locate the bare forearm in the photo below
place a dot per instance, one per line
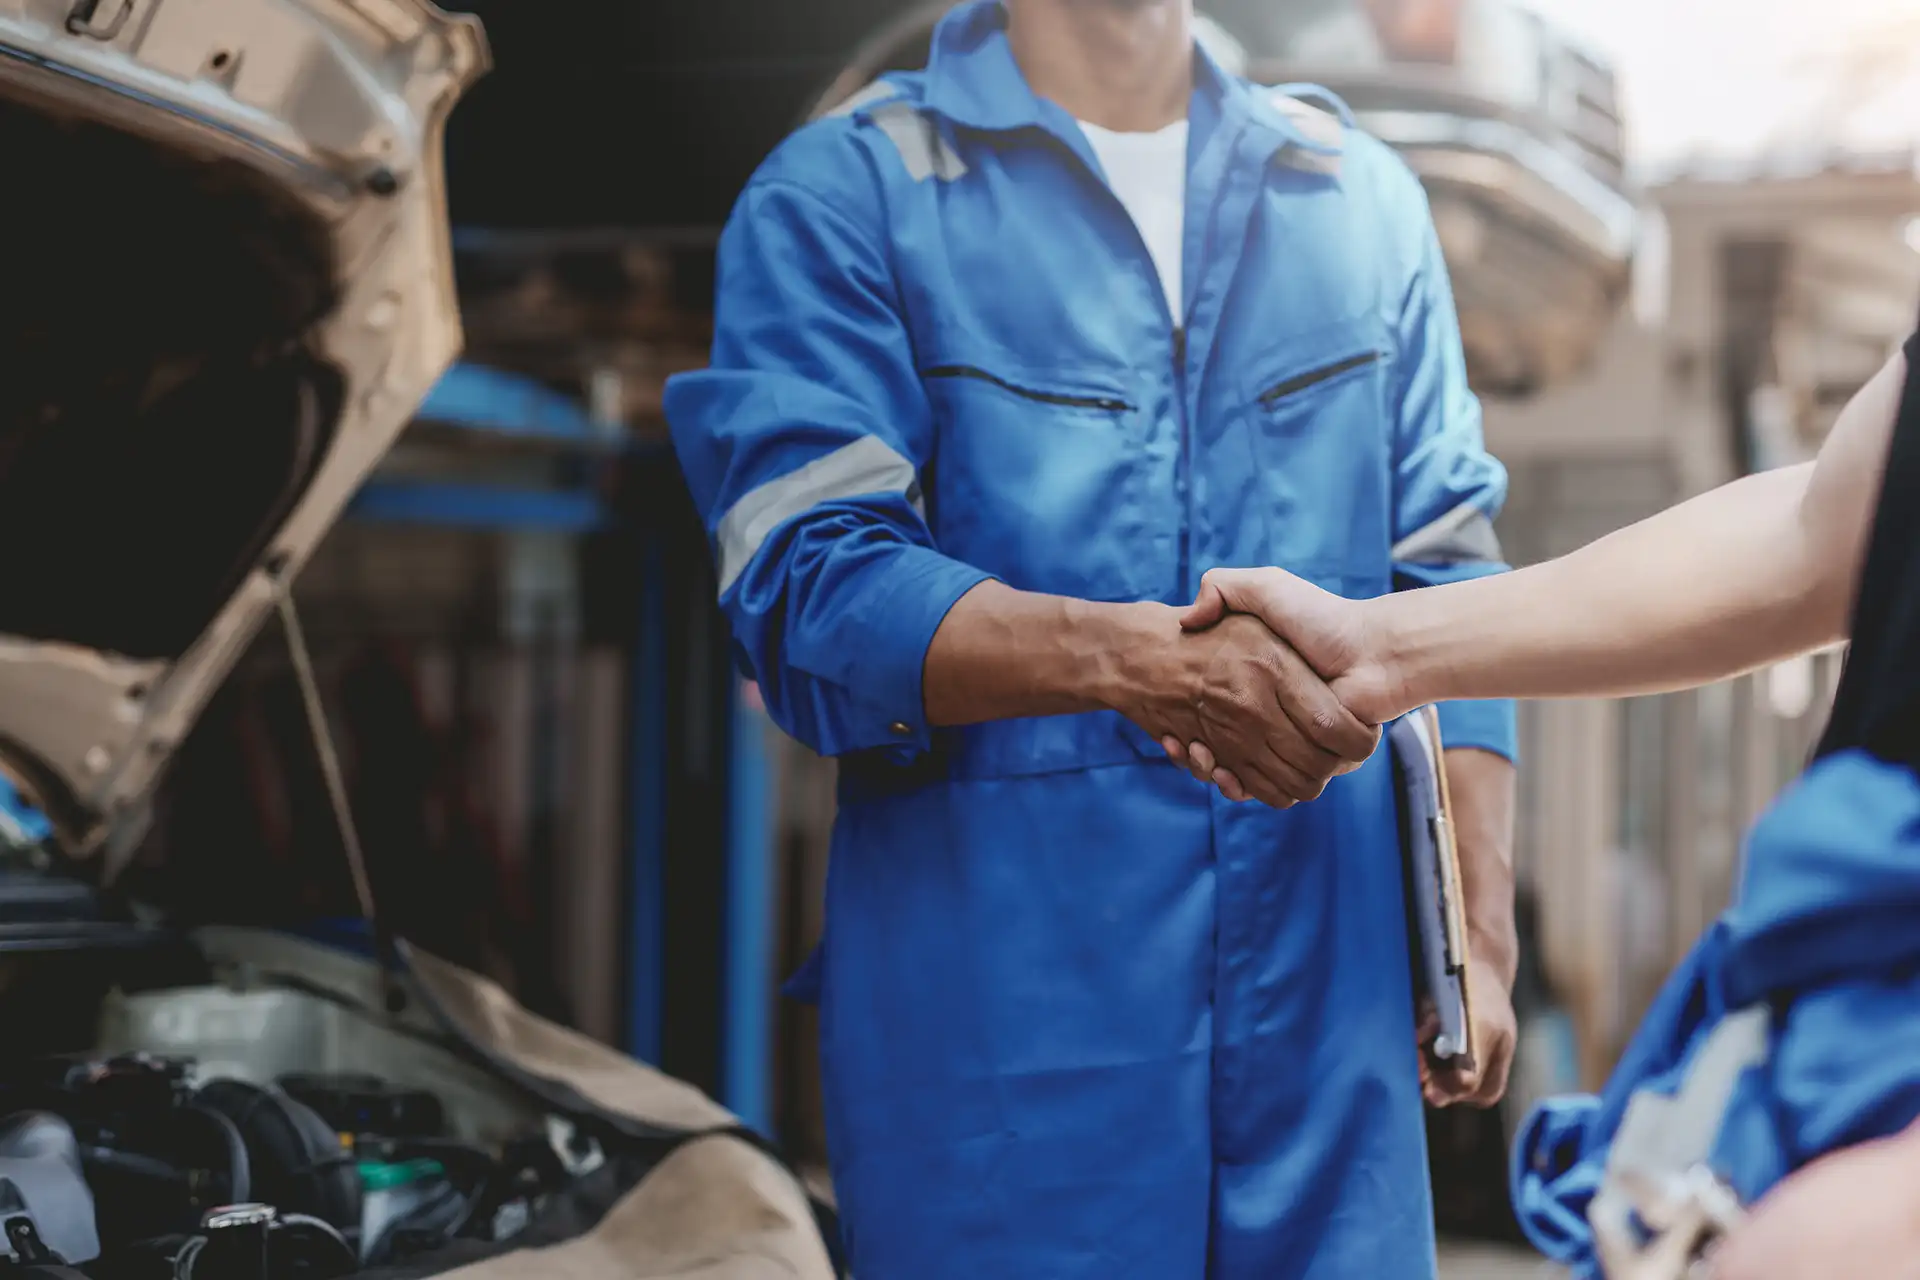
(1482, 787)
(1004, 654)
(1748, 574)
(1714, 587)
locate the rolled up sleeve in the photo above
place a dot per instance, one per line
(804, 444)
(1447, 488)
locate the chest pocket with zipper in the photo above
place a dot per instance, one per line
(1322, 436)
(1055, 482)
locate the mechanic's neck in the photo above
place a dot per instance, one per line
(1125, 65)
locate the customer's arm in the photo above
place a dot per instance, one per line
(1745, 575)
(804, 446)
(1853, 1214)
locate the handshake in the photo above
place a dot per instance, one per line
(1271, 688)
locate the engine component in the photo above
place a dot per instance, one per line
(299, 1163)
(19, 1237)
(410, 1207)
(155, 1159)
(394, 1194)
(130, 1082)
(238, 1242)
(123, 1164)
(366, 1104)
(40, 1169)
(235, 1243)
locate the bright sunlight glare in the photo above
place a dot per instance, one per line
(1731, 77)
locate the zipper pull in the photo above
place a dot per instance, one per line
(1180, 349)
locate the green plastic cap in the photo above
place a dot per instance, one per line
(376, 1176)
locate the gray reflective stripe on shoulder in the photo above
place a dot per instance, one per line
(1322, 128)
(923, 149)
(866, 466)
(1663, 1137)
(878, 91)
(1462, 536)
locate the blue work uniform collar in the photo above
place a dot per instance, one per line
(974, 83)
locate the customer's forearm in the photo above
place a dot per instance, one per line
(1004, 654)
(1716, 586)
(1748, 574)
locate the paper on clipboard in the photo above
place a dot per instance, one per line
(1437, 911)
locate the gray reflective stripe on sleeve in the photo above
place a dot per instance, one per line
(866, 466)
(1666, 1137)
(925, 152)
(1462, 536)
(1660, 1200)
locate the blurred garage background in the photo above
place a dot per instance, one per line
(1682, 237)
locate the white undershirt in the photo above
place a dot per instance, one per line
(1148, 171)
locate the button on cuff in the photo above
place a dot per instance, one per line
(897, 629)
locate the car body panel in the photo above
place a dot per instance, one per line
(339, 105)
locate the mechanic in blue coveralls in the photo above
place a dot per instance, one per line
(1007, 355)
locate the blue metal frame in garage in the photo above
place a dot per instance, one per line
(747, 1085)
(700, 779)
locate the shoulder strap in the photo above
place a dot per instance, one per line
(1878, 704)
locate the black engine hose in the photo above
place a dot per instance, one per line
(239, 1166)
(132, 1163)
(296, 1160)
(346, 1258)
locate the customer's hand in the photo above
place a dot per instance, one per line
(1854, 1215)
(1261, 709)
(1333, 634)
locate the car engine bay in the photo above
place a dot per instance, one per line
(265, 1125)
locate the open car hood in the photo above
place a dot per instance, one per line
(228, 286)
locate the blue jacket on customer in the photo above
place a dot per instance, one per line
(1820, 946)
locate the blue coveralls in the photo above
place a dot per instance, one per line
(1082, 1018)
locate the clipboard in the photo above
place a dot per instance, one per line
(1436, 908)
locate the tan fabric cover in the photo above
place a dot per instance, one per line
(716, 1209)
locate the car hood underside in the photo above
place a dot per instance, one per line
(230, 286)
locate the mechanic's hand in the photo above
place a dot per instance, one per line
(1265, 714)
(1495, 1034)
(1331, 633)
(1854, 1214)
